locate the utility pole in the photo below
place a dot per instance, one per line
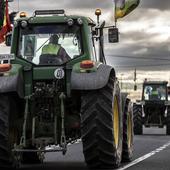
(135, 86)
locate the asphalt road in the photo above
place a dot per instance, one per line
(151, 152)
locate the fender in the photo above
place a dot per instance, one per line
(91, 80)
(12, 81)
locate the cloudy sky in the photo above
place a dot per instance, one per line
(144, 34)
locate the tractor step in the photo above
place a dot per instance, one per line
(153, 125)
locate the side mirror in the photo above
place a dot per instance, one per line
(8, 39)
(113, 35)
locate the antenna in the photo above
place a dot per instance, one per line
(18, 6)
(135, 86)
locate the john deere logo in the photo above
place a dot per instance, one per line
(59, 73)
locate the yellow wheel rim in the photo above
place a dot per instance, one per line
(116, 121)
(129, 132)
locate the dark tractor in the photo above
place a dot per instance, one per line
(154, 109)
(45, 100)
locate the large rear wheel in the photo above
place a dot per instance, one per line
(101, 126)
(4, 132)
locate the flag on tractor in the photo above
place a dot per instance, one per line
(5, 25)
(124, 7)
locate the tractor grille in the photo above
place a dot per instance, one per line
(154, 114)
(48, 88)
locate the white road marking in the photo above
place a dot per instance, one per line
(136, 161)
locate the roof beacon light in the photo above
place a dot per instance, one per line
(87, 64)
(98, 12)
(22, 14)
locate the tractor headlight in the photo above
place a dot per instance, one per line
(24, 24)
(79, 21)
(70, 22)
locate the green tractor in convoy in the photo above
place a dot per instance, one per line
(154, 109)
(46, 101)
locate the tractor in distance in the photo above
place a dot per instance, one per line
(46, 100)
(154, 108)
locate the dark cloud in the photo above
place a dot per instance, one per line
(157, 56)
(69, 4)
(141, 53)
(30, 6)
(158, 4)
(90, 3)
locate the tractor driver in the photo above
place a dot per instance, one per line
(53, 53)
(154, 94)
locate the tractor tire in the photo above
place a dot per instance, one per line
(5, 155)
(127, 132)
(168, 121)
(101, 126)
(137, 118)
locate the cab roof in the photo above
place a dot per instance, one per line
(54, 16)
(155, 82)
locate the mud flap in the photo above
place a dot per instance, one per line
(12, 83)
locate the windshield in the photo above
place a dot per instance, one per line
(54, 44)
(155, 92)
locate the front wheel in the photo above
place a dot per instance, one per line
(101, 126)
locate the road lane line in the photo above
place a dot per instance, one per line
(142, 158)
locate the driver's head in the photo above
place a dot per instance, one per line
(54, 39)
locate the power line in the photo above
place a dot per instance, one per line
(139, 58)
(150, 65)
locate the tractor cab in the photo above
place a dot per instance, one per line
(43, 37)
(155, 91)
(154, 109)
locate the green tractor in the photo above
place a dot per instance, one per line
(154, 109)
(45, 100)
